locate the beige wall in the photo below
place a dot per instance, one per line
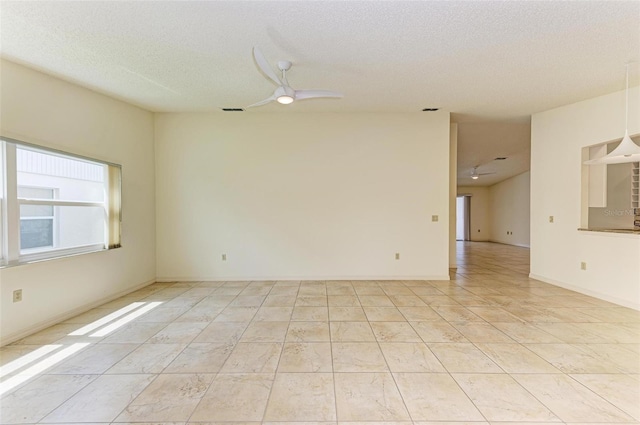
(302, 196)
(558, 248)
(479, 211)
(41, 109)
(509, 208)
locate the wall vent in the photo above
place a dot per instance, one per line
(233, 109)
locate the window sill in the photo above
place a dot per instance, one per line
(60, 254)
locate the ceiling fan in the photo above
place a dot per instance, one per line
(284, 94)
(475, 174)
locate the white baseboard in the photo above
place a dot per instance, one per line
(69, 314)
(595, 294)
(270, 278)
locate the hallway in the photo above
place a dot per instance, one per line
(489, 347)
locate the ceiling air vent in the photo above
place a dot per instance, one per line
(430, 109)
(233, 109)
(501, 158)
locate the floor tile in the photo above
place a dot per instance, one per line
(368, 397)
(621, 391)
(481, 332)
(358, 357)
(165, 314)
(456, 314)
(343, 301)
(570, 400)
(625, 360)
(410, 357)
(200, 357)
(310, 314)
(419, 314)
(347, 314)
(311, 301)
(102, 400)
(247, 301)
(435, 397)
(306, 357)
(236, 397)
(351, 332)
(407, 300)
(463, 358)
(383, 314)
(198, 314)
(280, 300)
(500, 398)
(514, 358)
(257, 357)
(147, 358)
(489, 346)
(438, 332)
(394, 332)
(273, 314)
(302, 397)
(134, 333)
(265, 332)
(570, 359)
(375, 301)
(227, 332)
(169, 398)
(526, 333)
(94, 359)
(308, 332)
(30, 403)
(236, 314)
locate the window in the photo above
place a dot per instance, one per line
(36, 221)
(55, 204)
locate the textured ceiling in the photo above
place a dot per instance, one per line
(489, 63)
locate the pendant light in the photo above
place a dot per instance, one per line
(627, 150)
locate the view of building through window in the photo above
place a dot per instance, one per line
(63, 203)
(42, 177)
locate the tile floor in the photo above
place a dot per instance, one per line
(489, 347)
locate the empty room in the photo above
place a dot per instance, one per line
(320, 212)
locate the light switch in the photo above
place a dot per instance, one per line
(550, 219)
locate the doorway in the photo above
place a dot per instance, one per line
(463, 218)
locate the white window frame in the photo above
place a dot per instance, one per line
(10, 203)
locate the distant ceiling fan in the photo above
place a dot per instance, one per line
(284, 94)
(475, 174)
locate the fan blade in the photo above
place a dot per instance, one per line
(263, 102)
(484, 174)
(309, 94)
(264, 66)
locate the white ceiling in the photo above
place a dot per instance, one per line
(492, 64)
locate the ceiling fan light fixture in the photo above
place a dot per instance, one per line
(285, 99)
(285, 95)
(474, 177)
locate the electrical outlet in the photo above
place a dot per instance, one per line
(434, 218)
(550, 219)
(17, 295)
(583, 266)
(397, 255)
(224, 257)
